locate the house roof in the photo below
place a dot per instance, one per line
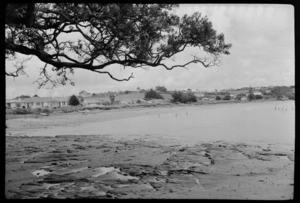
(38, 99)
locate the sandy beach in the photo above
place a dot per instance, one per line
(40, 164)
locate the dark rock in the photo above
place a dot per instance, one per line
(55, 178)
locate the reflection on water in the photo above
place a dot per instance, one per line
(263, 122)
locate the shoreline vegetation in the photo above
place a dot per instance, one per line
(82, 109)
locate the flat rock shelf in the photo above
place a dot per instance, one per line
(95, 166)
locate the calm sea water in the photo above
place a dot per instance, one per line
(243, 122)
(248, 122)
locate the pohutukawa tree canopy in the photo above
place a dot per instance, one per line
(93, 36)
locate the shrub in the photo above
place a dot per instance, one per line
(258, 97)
(227, 97)
(152, 94)
(161, 88)
(21, 111)
(112, 98)
(105, 103)
(138, 101)
(218, 98)
(251, 97)
(291, 95)
(47, 111)
(67, 110)
(189, 97)
(73, 101)
(40, 110)
(177, 95)
(239, 96)
(279, 97)
(183, 97)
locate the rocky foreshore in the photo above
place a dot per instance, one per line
(85, 166)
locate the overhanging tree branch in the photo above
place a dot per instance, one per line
(94, 36)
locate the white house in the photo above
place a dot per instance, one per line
(126, 102)
(37, 102)
(268, 91)
(199, 94)
(257, 93)
(232, 96)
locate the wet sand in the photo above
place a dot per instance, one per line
(139, 166)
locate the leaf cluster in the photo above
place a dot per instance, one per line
(93, 36)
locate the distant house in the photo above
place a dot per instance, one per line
(37, 102)
(257, 88)
(199, 94)
(156, 101)
(95, 101)
(84, 94)
(257, 93)
(268, 91)
(127, 102)
(232, 96)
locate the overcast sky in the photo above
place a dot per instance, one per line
(262, 54)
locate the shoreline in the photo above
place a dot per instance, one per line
(29, 124)
(140, 106)
(151, 166)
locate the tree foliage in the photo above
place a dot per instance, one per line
(112, 98)
(258, 97)
(281, 91)
(251, 97)
(227, 97)
(152, 94)
(73, 101)
(218, 98)
(183, 97)
(161, 88)
(23, 97)
(93, 36)
(240, 96)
